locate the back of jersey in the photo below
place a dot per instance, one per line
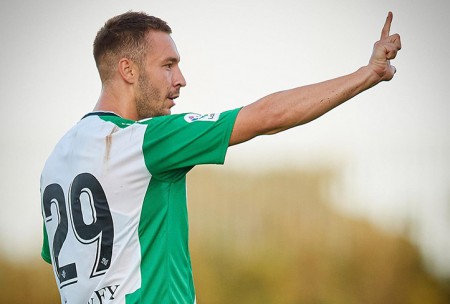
(114, 205)
(94, 169)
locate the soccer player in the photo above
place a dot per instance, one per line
(113, 190)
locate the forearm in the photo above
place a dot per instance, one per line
(287, 109)
(290, 108)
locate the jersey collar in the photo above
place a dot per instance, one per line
(100, 113)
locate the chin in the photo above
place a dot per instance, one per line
(162, 113)
(168, 111)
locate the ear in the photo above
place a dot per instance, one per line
(128, 70)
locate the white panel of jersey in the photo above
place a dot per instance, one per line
(91, 149)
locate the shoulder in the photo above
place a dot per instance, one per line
(191, 117)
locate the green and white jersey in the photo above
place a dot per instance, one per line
(114, 205)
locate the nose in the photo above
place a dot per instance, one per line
(179, 80)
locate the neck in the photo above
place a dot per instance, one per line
(119, 101)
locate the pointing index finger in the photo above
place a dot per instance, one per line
(387, 26)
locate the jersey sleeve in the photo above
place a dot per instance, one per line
(45, 253)
(184, 140)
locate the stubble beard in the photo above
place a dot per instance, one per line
(149, 101)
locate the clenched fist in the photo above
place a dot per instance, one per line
(384, 51)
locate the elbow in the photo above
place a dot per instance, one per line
(282, 112)
(280, 120)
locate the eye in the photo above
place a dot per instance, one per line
(169, 65)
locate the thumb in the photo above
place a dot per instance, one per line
(393, 69)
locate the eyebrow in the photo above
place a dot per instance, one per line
(172, 59)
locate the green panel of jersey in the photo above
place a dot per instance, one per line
(114, 205)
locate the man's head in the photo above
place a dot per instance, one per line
(124, 36)
(138, 61)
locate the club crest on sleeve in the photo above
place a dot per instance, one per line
(192, 117)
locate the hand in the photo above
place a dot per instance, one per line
(384, 51)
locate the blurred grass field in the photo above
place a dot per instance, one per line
(273, 237)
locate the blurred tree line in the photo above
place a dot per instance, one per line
(273, 238)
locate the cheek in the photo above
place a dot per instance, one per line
(169, 77)
(161, 82)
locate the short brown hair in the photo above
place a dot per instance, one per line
(124, 36)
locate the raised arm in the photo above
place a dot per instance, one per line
(287, 109)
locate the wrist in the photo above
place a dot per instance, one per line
(370, 76)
